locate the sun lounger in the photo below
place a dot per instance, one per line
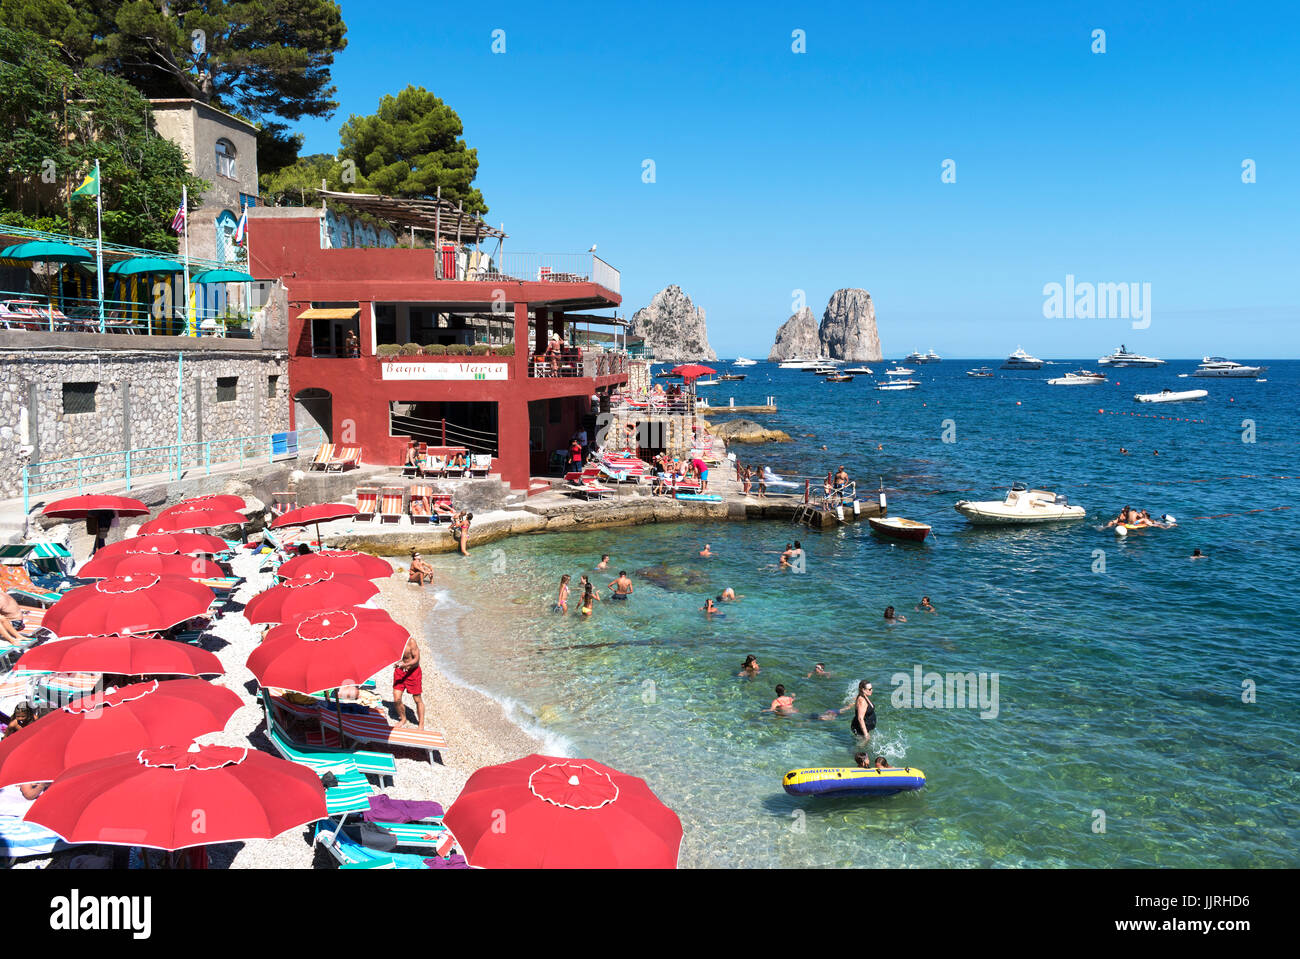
(322, 760)
(367, 503)
(373, 726)
(434, 465)
(421, 512)
(324, 456)
(390, 504)
(351, 854)
(20, 838)
(351, 795)
(15, 687)
(282, 502)
(346, 457)
(480, 464)
(441, 508)
(582, 485)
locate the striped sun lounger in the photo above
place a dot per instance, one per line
(347, 457)
(420, 510)
(373, 727)
(390, 506)
(367, 502)
(324, 456)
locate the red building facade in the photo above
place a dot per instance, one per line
(345, 304)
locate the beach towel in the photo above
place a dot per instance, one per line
(454, 861)
(385, 809)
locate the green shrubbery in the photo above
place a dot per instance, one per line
(387, 349)
(435, 349)
(458, 349)
(410, 349)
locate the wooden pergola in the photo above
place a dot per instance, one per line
(432, 213)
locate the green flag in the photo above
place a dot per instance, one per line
(89, 186)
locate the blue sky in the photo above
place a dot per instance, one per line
(778, 171)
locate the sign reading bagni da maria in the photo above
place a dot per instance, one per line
(446, 371)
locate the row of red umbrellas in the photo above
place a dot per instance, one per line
(560, 812)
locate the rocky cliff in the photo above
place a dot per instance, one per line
(848, 327)
(797, 337)
(673, 327)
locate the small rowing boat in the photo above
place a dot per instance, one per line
(899, 528)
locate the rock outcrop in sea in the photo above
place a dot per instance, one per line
(797, 337)
(673, 327)
(747, 431)
(848, 327)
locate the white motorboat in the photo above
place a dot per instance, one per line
(859, 370)
(1021, 506)
(1078, 378)
(897, 384)
(706, 382)
(919, 357)
(899, 371)
(1123, 358)
(980, 371)
(801, 363)
(1020, 360)
(1216, 367)
(742, 361)
(1171, 396)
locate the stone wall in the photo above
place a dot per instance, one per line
(135, 402)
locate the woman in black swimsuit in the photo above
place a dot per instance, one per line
(864, 712)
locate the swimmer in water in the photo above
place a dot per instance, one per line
(1197, 554)
(604, 562)
(784, 702)
(925, 605)
(708, 606)
(562, 601)
(862, 760)
(786, 554)
(893, 617)
(588, 599)
(819, 669)
(622, 586)
(750, 667)
(706, 551)
(864, 712)
(882, 763)
(728, 595)
(584, 584)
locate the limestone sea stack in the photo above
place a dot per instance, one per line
(747, 431)
(848, 327)
(797, 337)
(673, 328)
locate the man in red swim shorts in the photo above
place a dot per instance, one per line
(408, 679)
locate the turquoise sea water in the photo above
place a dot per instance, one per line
(1121, 665)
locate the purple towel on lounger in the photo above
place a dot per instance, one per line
(454, 861)
(385, 809)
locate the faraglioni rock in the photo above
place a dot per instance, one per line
(797, 337)
(848, 328)
(673, 327)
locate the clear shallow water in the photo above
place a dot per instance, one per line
(1119, 691)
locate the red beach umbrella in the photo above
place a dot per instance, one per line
(692, 371)
(96, 726)
(160, 564)
(188, 519)
(562, 814)
(175, 797)
(304, 595)
(165, 543)
(79, 507)
(315, 514)
(122, 656)
(347, 561)
(121, 605)
(327, 649)
(216, 501)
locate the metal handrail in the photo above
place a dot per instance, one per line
(128, 466)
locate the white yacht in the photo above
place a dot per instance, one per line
(1122, 357)
(742, 361)
(1020, 360)
(982, 372)
(899, 371)
(1020, 507)
(801, 363)
(1077, 378)
(919, 357)
(1217, 367)
(859, 370)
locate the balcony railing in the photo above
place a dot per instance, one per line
(35, 313)
(590, 365)
(542, 268)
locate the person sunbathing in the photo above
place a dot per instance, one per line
(413, 459)
(12, 619)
